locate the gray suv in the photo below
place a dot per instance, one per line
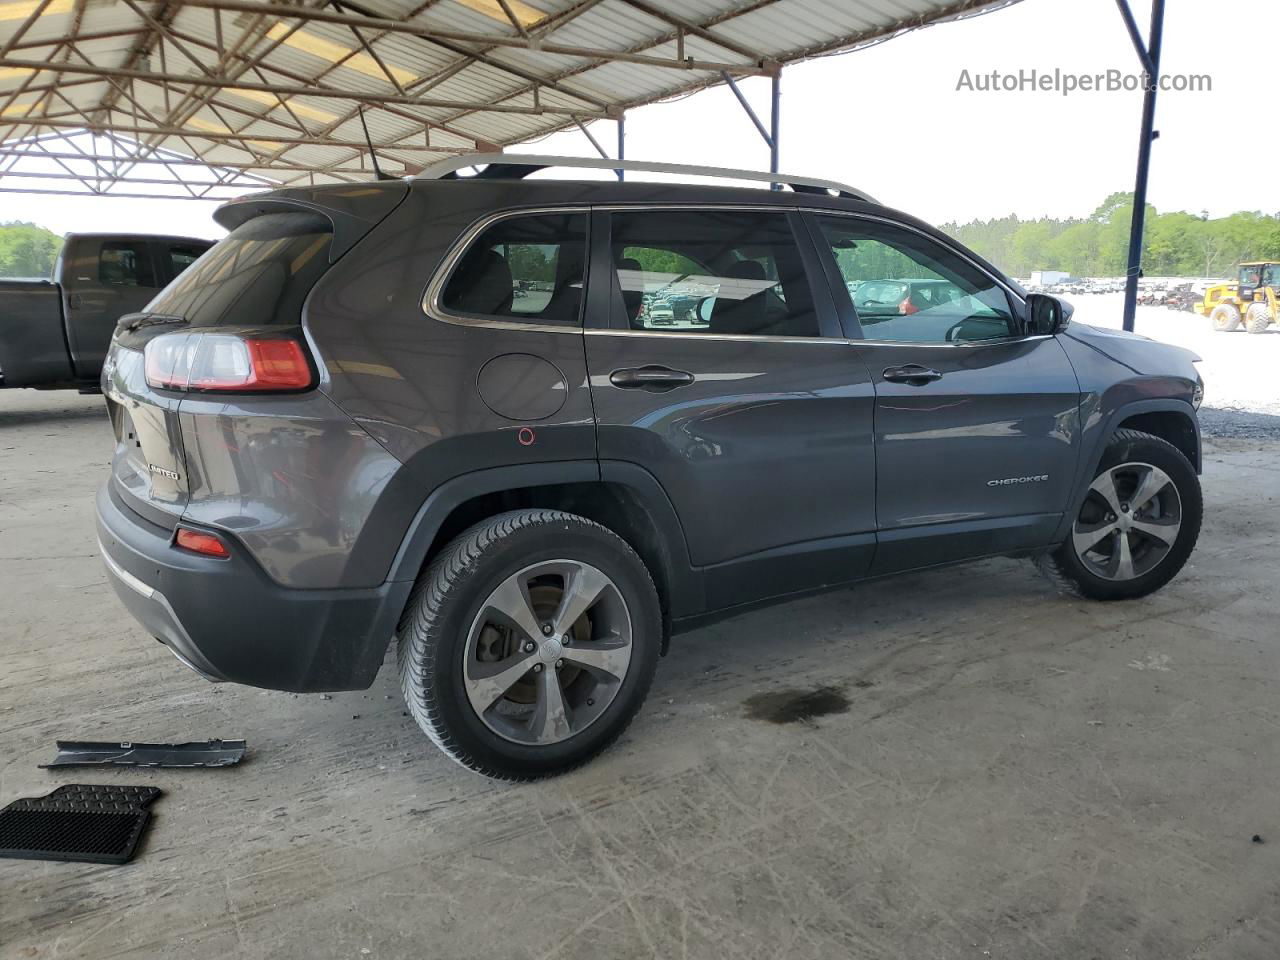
(437, 410)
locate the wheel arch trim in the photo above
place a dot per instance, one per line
(685, 584)
(1097, 446)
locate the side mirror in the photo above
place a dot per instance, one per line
(705, 306)
(1046, 315)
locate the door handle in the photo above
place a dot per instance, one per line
(652, 378)
(912, 374)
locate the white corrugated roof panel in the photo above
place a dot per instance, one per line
(463, 76)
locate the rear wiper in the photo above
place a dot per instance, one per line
(135, 321)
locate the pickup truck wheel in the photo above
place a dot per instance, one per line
(1258, 318)
(1225, 317)
(529, 644)
(1137, 525)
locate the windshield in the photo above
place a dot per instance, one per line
(258, 274)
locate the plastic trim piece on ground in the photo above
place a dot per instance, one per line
(206, 753)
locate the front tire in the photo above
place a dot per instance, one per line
(1225, 317)
(1258, 318)
(1137, 525)
(529, 644)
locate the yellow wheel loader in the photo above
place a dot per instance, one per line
(1252, 300)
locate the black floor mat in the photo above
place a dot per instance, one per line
(88, 824)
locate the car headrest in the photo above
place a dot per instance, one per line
(487, 286)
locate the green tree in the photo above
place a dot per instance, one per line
(1076, 248)
(27, 250)
(1174, 244)
(532, 261)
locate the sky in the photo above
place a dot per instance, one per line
(892, 121)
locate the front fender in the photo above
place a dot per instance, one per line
(1100, 416)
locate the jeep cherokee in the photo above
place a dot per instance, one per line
(435, 410)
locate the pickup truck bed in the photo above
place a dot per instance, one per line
(55, 333)
(33, 340)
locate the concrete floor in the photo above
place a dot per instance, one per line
(1016, 776)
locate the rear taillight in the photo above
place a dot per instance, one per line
(226, 362)
(197, 541)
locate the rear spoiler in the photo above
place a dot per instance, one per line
(353, 209)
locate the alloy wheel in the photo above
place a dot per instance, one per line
(548, 652)
(1129, 521)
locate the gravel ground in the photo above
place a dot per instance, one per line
(1233, 424)
(1005, 773)
(1239, 369)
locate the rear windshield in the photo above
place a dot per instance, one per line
(258, 274)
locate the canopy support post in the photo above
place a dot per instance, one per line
(1149, 54)
(770, 136)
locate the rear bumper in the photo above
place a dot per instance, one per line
(227, 620)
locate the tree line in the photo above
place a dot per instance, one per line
(27, 250)
(1174, 244)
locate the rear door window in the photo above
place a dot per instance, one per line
(732, 272)
(523, 268)
(259, 274)
(125, 263)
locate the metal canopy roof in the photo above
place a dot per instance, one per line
(141, 97)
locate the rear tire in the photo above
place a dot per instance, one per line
(1258, 318)
(1225, 317)
(529, 644)
(1136, 526)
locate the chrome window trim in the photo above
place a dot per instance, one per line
(431, 305)
(947, 243)
(749, 337)
(968, 344)
(780, 209)
(431, 298)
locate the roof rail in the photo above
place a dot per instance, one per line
(516, 166)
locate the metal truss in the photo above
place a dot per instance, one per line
(109, 165)
(231, 95)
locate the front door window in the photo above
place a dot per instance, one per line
(906, 288)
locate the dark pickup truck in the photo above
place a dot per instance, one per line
(55, 333)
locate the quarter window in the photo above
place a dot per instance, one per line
(716, 271)
(523, 268)
(910, 289)
(125, 264)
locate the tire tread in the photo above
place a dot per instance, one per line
(1051, 564)
(417, 650)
